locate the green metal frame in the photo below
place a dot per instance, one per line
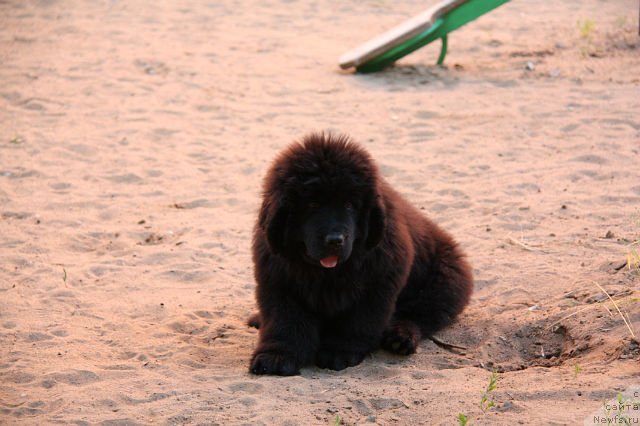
(451, 21)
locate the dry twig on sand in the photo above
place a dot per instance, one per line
(524, 246)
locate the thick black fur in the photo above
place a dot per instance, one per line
(398, 276)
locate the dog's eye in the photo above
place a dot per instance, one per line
(313, 205)
(348, 205)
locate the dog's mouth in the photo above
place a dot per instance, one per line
(329, 262)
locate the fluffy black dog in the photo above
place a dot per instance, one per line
(344, 264)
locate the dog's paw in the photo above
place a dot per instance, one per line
(274, 363)
(338, 359)
(401, 339)
(254, 320)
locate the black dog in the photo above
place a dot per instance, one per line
(344, 264)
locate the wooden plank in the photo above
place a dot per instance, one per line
(397, 35)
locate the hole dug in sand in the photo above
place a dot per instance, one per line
(533, 345)
(555, 340)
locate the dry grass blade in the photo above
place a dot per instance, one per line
(633, 258)
(569, 316)
(627, 323)
(620, 302)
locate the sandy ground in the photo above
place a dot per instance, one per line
(133, 139)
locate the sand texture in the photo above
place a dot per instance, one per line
(133, 140)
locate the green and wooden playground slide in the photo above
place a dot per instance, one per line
(432, 24)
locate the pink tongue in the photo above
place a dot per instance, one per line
(329, 262)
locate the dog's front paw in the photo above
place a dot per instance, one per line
(401, 338)
(335, 358)
(274, 363)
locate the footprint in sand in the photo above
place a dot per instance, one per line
(187, 327)
(70, 377)
(590, 158)
(37, 337)
(17, 377)
(246, 387)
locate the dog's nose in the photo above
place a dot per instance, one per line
(334, 240)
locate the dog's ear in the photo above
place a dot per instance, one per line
(273, 219)
(375, 223)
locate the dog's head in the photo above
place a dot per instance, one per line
(321, 200)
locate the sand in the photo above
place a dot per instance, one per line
(133, 139)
